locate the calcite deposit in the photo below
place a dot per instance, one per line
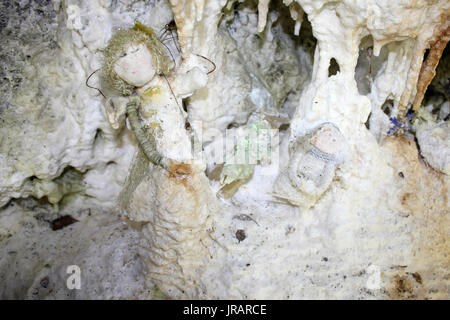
(224, 149)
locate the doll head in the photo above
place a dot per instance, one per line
(132, 58)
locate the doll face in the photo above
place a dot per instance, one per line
(328, 139)
(136, 65)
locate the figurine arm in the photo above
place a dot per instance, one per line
(146, 141)
(185, 84)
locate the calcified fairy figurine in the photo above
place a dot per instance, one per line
(135, 67)
(314, 159)
(165, 189)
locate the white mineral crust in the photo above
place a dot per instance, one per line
(372, 222)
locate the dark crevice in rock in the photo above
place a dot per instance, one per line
(333, 69)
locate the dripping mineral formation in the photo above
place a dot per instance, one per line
(283, 149)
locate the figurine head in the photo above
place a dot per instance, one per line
(132, 58)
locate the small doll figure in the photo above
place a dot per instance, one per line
(165, 190)
(136, 67)
(314, 159)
